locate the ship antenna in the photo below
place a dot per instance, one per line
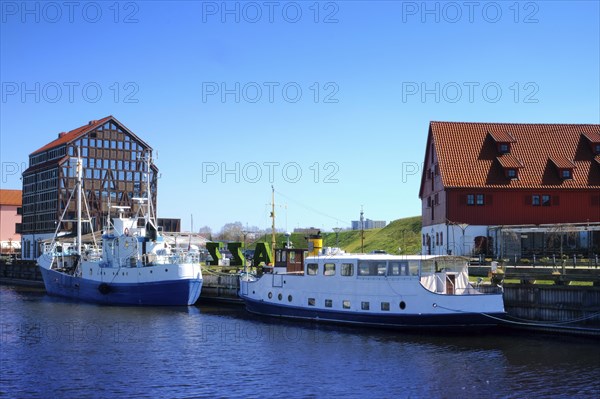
(273, 222)
(79, 176)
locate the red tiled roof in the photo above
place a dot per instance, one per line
(593, 137)
(11, 197)
(562, 162)
(73, 134)
(502, 136)
(597, 158)
(467, 154)
(509, 161)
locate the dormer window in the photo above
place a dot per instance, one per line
(564, 166)
(503, 148)
(597, 149)
(511, 173)
(566, 174)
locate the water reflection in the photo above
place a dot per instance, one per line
(79, 349)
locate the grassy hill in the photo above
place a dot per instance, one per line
(402, 233)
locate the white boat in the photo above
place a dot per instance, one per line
(375, 290)
(135, 266)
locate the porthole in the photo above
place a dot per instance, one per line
(402, 305)
(279, 296)
(270, 295)
(166, 270)
(289, 298)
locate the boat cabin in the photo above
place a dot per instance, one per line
(289, 260)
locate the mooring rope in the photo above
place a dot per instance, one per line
(529, 322)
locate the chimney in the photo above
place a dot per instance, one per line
(92, 122)
(61, 134)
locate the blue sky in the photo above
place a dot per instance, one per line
(328, 101)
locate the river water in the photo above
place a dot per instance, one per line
(55, 348)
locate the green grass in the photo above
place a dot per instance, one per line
(402, 233)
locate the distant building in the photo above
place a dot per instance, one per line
(10, 205)
(114, 172)
(369, 224)
(511, 190)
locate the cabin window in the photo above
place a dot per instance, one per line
(364, 305)
(292, 257)
(311, 301)
(545, 200)
(329, 269)
(347, 269)
(385, 306)
(283, 256)
(346, 304)
(398, 269)
(312, 269)
(470, 199)
(413, 268)
(372, 268)
(328, 303)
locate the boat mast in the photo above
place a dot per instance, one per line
(273, 222)
(78, 182)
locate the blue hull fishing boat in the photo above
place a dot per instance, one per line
(135, 265)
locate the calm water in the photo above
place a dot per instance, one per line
(55, 348)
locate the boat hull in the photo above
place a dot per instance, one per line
(179, 292)
(458, 320)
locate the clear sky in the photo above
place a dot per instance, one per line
(328, 101)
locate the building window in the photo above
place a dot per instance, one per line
(437, 238)
(436, 199)
(535, 200)
(545, 200)
(566, 174)
(480, 200)
(470, 199)
(503, 148)
(441, 238)
(428, 202)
